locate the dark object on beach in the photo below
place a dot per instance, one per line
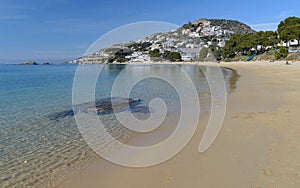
(105, 106)
(287, 63)
(30, 63)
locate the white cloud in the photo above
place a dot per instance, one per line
(265, 26)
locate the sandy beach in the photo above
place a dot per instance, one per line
(258, 146)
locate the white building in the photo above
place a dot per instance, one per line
(221, 44)
(194, 35)
(294, 42)
(186, 58)
(290, 43)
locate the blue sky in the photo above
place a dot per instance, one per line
(58, 30)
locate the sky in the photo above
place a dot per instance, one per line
(61, 30)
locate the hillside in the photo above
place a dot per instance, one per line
(233, 25)
(185, 43)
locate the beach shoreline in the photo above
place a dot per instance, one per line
(208, 63)
(258, 145)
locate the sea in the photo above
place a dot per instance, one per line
(40, 142)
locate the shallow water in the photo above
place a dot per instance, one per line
(37, 151)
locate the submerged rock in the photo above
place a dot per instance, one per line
(62, 114)
(104, 106)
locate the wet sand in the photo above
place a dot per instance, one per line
(258, 146)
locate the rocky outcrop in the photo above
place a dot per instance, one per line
(30, 63)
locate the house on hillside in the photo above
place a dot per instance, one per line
(293, 45)
(221, 44)
(186, 58)
(138, 57)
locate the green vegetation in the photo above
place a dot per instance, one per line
(282, 53)
(246, 44)
(217, 52)
(191, 26)
(167, 55)
(289, 29)
(122, 59)
(203, 53)
(155, 53)
(111, 50)
(120, 55)
(141, 47)
(172, 56)
(209, 54)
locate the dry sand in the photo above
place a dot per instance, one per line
(258, 146)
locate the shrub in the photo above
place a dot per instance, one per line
(282, 53)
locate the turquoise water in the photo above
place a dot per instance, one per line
(37, 151)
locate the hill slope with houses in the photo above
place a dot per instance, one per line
(185, 43)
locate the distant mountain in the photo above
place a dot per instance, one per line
(187, 40)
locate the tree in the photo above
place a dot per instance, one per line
(217, 52)
(174, 56)
(243, 43)
(289, 29)
(155, 53)
(120, 56)
(166, 54)
(121, 59)
(271, 38)
(140, 46)
(282, 53)
(229, 48)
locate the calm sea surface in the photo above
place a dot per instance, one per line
(37, 150)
